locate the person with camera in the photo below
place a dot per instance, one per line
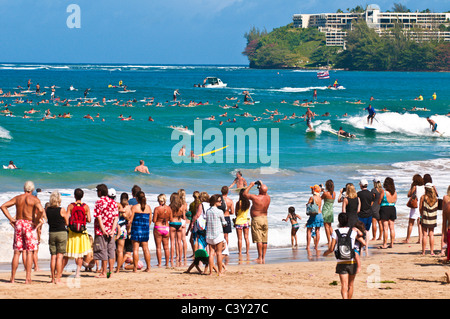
(258, 213)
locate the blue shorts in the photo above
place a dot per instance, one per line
(367, 222)
(434, 127)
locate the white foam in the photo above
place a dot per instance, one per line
(407, 123)
(4, 133)
(297, 90)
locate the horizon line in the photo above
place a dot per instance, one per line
(127, 63)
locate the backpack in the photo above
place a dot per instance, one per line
(77, 219)
(223, 206)
(344, 249)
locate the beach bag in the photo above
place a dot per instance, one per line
(201, 221)
(412, 202)
(344, 249)
(77, 219)
(312, 209)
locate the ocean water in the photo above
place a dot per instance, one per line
(66, 153)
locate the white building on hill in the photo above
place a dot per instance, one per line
(335, 25)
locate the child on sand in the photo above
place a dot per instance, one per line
(200, 255)
(292, 217)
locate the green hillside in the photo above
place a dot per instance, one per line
(290, 47)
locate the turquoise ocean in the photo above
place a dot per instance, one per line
(66, 153)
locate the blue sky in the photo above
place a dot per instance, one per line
(152, 31)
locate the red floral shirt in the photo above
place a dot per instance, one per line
(107, 210)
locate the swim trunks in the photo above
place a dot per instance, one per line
(227, 228)
(25, 236)
(260, 229)
(434, 127)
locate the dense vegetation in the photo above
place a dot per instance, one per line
(366, 50)
(287, 47)
(290, 47)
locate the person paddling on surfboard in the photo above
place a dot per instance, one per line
(309, 116)
(371, 115)
(175, 93)
(344, 133)
(11, 165)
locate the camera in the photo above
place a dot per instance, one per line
(258, 184)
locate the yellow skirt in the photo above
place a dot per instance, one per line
(78, 245)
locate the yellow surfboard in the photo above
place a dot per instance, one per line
(211, 152)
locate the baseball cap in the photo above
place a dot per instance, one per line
(316, 188)
(376, 180)
(429, 185)
(112, 192)
(363, 182)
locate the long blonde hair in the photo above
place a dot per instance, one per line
(430, 196)
(351, 191)
(182, 194)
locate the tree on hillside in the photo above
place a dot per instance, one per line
(398, 7)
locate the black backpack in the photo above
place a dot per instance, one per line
(223, 206)
(344, 249)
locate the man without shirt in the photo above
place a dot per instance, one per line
(239, 181)
(29, 212)
(229, 210)
(259, 223)
(142, 168)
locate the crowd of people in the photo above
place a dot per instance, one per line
(366, 212)
(122, 227)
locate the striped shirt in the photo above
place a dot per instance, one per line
(429, 214)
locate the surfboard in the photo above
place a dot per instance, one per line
(213, 151)
(370, 128)
(310, 131)
(6, 167)
(128, 91)
(336, 133)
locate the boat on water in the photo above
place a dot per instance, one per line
(212, 82)
(323, 75)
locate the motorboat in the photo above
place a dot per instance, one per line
(213, 82)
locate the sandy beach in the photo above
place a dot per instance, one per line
(400, 272)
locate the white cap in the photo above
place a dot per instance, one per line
(429, 185)
(111, 192)
(363, 182)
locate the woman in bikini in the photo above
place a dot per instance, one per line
(161, 217)
(175, 226)
(184, 208)
(123, 227)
